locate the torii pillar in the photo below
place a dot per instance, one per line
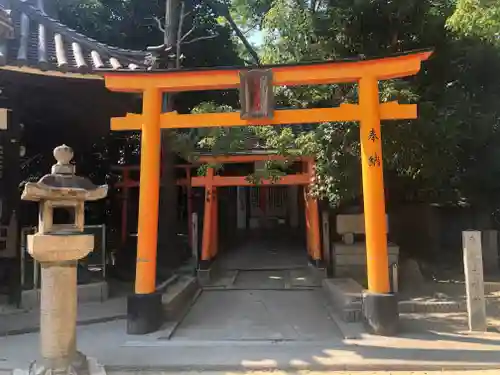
(380, 306)
(144, 308)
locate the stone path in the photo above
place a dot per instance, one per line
(265, 252)
(475, 372)
(485, 372)
(297, 278)
(25, 321)
(258, 315)
(122, 353)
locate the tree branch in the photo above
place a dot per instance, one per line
(202, 38)
(242, 37)
(223, 10)
(187, 34)
(159, 24)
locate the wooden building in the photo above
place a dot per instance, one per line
(49, 95)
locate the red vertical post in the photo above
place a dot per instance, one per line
(189, 192)
(306, 211)
(313, 215)
(214, 248)
(307, 221)
(149, 194)
(207, 218)
(124, 223)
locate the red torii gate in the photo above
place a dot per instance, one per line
(380, 306)
(212, 181)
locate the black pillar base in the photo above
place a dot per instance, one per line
(380, 313)
(318, 263)
(204, 264)
(144, 313)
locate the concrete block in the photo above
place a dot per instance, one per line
(94, 292)
(360, 249)
(353, 223)
(393, 258)
(352, 315)
(353, 271)
(204, 276)
(345, 296)
(350, 260)
(179, 297)
(348, 238)
(354, 249)
(30, 299)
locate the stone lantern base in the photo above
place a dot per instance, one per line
(82, 365)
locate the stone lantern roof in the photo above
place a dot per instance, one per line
(62, 183)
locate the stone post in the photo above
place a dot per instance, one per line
(327, 255)
(58, 247)
(241, 207)
(194, 238)
(474, 282)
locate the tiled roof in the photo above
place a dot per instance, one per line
(41, 42)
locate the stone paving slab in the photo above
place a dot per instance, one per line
(300, 372)
(26, 321)
(262, 252)
(298, 278)
(223, 279)
(483, 372)
(258, 315)
(119, 352)
(304, 277)
(265, 279)
(306, 372)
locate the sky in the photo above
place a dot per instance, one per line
(256, 38)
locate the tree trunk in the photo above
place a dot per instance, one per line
(168, 246)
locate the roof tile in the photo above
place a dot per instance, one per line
(29, 37)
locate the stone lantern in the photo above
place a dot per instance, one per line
(58, 246)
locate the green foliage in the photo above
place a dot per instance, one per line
(477, 18)
(449, 154)
(133, 24)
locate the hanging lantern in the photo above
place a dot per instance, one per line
(256, 94)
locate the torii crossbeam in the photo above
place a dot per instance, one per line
(380, 306)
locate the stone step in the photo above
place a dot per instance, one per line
(178, 297)
(345, 296)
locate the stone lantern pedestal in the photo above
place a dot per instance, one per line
(58, 247)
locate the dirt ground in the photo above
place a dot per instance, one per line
(443, 290)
